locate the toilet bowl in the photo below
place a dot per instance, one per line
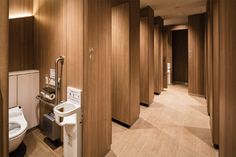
(17, 128)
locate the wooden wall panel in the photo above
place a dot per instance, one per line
(158, 57)
(18, 8)
(227, 98)
(125, 62)
(21, 44)
(196, 83)
(180, 56)
(50, 41)
(216, 74)
(74, 56)
(213, 68)
(147, 56)
(4, 78)
(134, 59)
(97, 78)
(121, 63)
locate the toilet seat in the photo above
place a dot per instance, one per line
(17, 123)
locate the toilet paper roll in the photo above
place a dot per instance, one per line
(50, 97)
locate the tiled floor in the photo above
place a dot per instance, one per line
(175, 125)
(37, 148)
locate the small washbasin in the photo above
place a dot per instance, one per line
(67, 111)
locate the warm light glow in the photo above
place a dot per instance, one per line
(19, 16)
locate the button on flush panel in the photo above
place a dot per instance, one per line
(74, 95)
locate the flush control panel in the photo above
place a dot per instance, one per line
(74, 95)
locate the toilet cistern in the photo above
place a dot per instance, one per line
(68, 114)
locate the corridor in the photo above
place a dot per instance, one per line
(175, 125)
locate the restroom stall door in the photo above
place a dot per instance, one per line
(180, 56)
(4, 78)
(97, 78)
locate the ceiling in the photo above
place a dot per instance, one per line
(175, 9)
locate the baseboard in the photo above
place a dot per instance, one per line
(121, 123)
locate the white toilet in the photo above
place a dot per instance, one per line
(17, 127)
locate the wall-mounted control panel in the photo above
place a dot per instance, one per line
(74, 95)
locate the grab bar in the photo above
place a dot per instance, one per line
(58, 84)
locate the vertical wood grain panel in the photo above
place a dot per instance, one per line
(125, 62)
(121, 62)
(158, 57)
(227, 98)
(134, 60)
(216, 73)
(4, 77)
(50, 21)
(147, 56)
(20, 8)
(97, 78)
(21, 44)
(209, 55)
(74, 43)
(196, 55)
(213, 68)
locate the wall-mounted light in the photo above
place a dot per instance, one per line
(20, 16)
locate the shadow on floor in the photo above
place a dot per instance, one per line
(111, 154)
(202, 133)
(142, 124)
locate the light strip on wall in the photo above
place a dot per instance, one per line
(19, 16)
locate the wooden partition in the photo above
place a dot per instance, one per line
(196, 82)
(158, 55)
(81, 31)
(213, 68)
(216, 74)
(97, 78)
(125, 62)
(4, 78)
(227, 98)
(147, 56)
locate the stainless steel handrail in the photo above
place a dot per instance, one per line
(44, 101)
(58, 84)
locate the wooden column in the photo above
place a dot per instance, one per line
(4, 77)
(97, 78)
(227, 97)
(196, 83)
(213, 68)
(158, 55)
(147, 56)
(125, 62)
